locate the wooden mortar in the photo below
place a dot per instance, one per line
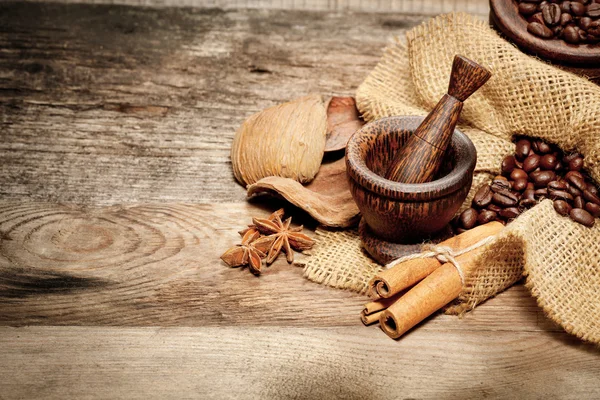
(399, 212)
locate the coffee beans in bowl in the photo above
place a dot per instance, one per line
(574, 22)
(537, 170)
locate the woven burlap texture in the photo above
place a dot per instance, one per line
(560, 258)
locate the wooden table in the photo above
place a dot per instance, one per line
(117, 199)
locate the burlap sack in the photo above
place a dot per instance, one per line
(560, 258)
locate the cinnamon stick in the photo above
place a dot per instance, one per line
(369, 319)
(435, 291)
(372, 311)
(378, 305)
(391, 281)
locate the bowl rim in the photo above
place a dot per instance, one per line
(364, 177)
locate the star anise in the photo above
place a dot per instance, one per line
(284, 237)
(252, 228)
(250, 252)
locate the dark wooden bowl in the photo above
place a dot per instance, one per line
(402, 212)
(504, 15)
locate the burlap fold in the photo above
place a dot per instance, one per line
(560, 258)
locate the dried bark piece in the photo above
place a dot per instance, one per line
(286, 140)
(342, 121)
(327, 199)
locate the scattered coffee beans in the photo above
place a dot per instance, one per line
(536, 171)
(574, 22)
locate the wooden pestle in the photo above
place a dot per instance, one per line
(420, 159)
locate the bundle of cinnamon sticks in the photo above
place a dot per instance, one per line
(412, 290)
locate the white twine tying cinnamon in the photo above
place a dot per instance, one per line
(444, 254)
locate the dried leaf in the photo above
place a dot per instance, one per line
(327, 199)
(342, 121)
(286, 140)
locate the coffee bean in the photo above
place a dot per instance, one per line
(585, 22)
(593, 10)
(494, 208)
(543, 192)
(535, 173)
(508, 164)
(579, 202)
(591, 197)
(565, 7)
(559, 166)
(543, 178)
(548, 162)
(592, 189)
(570, 157)
(593, 209)
(583, 36)
(531, 163)
(576, 164)
(557, 185)
(571, 34)
(468, 218)
(505, 198)
(565, 19)
(527, 203)
(483, 197)
(528, 194)
(486, 216)
(518, 164)
(573, 191)
(551, 14)
(530, 185)
(582, 216)
(527, 8)
(577, 9)
(594, 28)
(559, 195)
(510, 213)
(519, 185)
(537, 18)
(573, 173)
(540, 147)
(562, 207)
(518, 174)
(578, 182)
(523, 146)
(500, 184)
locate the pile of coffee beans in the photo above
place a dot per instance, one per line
(536, 171)
(572, 21)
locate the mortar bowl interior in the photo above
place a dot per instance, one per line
(404, 212)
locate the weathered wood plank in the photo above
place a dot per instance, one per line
(111, 104)
(421, 7)
(292, 363)
(159, 264)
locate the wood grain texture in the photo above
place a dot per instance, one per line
(419, 7)
(158, 265)
(292, 363)
(110, 104)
